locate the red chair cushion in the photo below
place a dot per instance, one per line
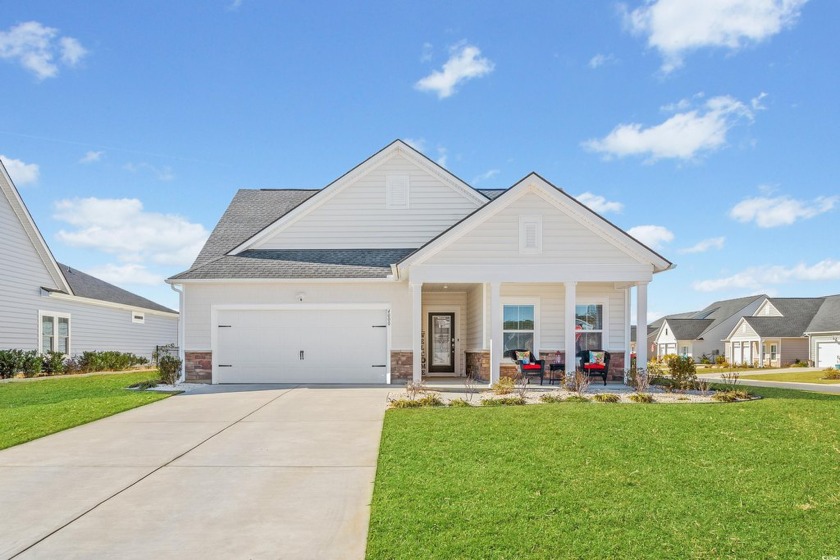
(531, 366)
(593, 366)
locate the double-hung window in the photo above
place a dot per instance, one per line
(589, 326)
(518, 329)
(55, 332)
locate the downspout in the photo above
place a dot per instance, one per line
(181, 352)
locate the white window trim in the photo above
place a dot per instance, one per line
(55, 314)
(605, 325)
(138, 317)
(523, 301)
(394, 182)
(524, 222)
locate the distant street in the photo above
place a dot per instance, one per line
(816, 387)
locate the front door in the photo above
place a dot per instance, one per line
(441, 343)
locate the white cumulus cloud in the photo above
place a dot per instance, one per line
(652, 236)
(768, 212)
(684, 136)
(678, 27)
(705, 245)
(129, 273)
(22, 173)
(465, 63)
(600, 204)
(759, 277)
(601, 60)
(123, 228)
(91, 157)
(38, 48)
(489, 174)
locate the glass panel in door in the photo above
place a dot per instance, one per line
(441, 342)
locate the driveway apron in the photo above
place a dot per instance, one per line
(226, 472)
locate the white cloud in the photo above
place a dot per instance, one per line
(234, 5)
(36, 47)
(161, 173)
(600, 204)
(652, 236)
(442, 155)
(489, 174)
(769, 212)
(22, 173)
(678, 27)
(683, 136)
(465, 63)
(757, 278)
(91, 157)
(130, 273)
(705, 245)
(601, 60)
(121, 227)
(418, 144)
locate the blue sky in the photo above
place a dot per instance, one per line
(707, 129)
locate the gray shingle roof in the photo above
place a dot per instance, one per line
(299, 263)
(689, 329)
(85, 285)
(827, 318)
(722, 310)
(797, 314)
(491, 193)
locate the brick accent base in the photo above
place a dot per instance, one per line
(198, 367)
(478, 365)
(401, 364)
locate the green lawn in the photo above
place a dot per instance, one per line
(797, 377)
(33, 409)
(759, 479)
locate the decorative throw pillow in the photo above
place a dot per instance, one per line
(524, 357)
(596, 358)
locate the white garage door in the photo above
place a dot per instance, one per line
(827, 354)
(301, 346)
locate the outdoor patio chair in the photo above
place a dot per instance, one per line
(595, 362)
(528, 366)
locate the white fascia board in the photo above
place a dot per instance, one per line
(370, 164)
(100, 303)
(455, 274)
(281, 280)
(31, 229)
(740, 322)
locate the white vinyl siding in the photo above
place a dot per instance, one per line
(767, 309)
(565, 241)
(358, 217)
(530, 235)
(396, 192)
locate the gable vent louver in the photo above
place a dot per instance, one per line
(396, 192)
(530, 235)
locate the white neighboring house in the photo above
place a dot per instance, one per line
(783, 331)
(400, 270)
(45, 305)
(702, 332)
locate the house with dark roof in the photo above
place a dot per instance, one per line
(398, 270)
(784, 331)
(700, 333)
(48, 306)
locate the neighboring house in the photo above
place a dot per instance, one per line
(45, 305)
(702, 332)
(784, 331)
(400, 270)
(824, 334)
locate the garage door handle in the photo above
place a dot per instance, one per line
(301, 355)
(380, 326)
(383, 365)
(225, 365)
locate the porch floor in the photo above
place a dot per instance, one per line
(456, 385)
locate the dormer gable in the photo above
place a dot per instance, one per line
(767, 309)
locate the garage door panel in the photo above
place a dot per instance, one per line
(827, 354)
(339, 346)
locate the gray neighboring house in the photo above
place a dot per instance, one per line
(703, 332)
(49, 306)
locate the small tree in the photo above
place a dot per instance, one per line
(170, 368)
(683, 371)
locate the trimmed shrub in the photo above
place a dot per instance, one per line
(607, 398)
(170, 368)
(504, 386)
(15, 361)
(642, 398)
(458, 403)
(109, 360)
(52, 363)
(551, 398)
(504, 401)
(432, 399)
(577, 398)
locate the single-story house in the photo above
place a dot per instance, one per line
(784, 331)
(702, 332)
(400, 270)
(48, 306)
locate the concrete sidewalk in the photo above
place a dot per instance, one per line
(231, 472)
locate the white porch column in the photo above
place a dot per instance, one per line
(569, 327)
(416, 331)
(496, 343)
(627, 335)
(641, 325)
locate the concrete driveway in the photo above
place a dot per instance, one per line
(231, 472)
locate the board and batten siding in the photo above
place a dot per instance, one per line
(198, 299)
(22, 274)
(357, 216)
(565, 242)
(102, 327)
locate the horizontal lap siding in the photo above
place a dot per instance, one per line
(357, 217)
(198, 299)
(565, 241)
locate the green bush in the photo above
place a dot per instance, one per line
(704, 359)
(109, 360)
(458, 403)
(720, 360)
(170, 368)
(551, 398)
(642, 398)
(831, 373)
(52, 363)
(504, 401)
(725, 396)
(607, 398)
(577, 398)
(16, 361)
(432, 399)
(504, 386)
(683, 371)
